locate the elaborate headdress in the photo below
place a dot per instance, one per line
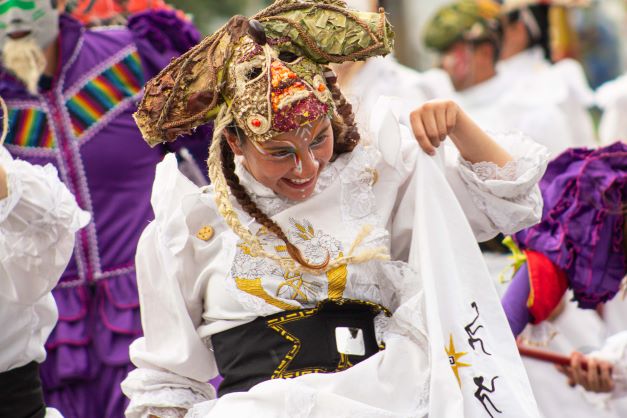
(465, 20)
(267, 74)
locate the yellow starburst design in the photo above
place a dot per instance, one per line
(453, 358)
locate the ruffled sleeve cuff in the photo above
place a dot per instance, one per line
(509, 196)
(164, 394)
(38, 220)
(615, 351)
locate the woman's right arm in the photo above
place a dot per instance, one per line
(173, 363)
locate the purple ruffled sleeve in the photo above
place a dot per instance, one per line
(160, 36)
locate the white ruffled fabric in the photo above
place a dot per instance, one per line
(187, 288)
(612, 98)
(615, 351)
(38, 220)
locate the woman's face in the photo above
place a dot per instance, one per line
(291, 162)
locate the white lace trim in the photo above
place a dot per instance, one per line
(487, 170)
(160, 392)
(166, 412)
(492, 188)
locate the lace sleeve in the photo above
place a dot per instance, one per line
(508, 196)
(163, 394)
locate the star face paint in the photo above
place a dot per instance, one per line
(36, 18)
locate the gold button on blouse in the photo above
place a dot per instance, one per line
(205, 233)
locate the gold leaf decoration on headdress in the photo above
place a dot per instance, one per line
(190, 91)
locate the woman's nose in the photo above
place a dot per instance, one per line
(306, 164)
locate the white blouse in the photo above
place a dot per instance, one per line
(530, 76)
(38, 220)
(191, 288)
(612, 98)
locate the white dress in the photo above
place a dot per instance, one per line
(191, 289)
(563, 84)
(612, 98)
(500, 105)
(384, 76)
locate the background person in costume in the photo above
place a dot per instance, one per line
(38, 219)
(363, 82)
(531, 36)
(107, 12)
(579, 245)
(305, 224)
(611, 97)
(71, 93)
(468, 35)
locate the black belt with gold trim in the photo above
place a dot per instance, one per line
(331, 337)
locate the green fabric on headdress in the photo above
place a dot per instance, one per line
(193, 88)
(468, 20)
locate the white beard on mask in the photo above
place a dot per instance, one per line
(25, 58)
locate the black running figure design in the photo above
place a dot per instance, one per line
(483, 397)
(472, 340)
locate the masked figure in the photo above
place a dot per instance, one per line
(71, 93)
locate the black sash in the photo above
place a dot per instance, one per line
(20, 393)
(294, 343)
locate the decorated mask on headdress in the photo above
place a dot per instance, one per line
(267, 74)
(36, 18)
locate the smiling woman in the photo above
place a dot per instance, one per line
(311, 273)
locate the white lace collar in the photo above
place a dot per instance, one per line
(268, 201)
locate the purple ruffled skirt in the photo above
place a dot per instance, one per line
(88, 349)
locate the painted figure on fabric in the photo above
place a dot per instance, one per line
(71, 93)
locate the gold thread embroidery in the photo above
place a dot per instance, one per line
(277, 325)
(296, 288)
(337, 280)
(254, 288)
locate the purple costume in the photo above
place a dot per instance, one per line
(581, 232)
(83, 125)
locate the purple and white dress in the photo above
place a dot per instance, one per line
(82, 124)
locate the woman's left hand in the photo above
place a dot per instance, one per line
(436, 119)
(433, 122)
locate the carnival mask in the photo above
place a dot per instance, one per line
(21, 18)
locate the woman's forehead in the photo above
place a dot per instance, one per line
(304, 133)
